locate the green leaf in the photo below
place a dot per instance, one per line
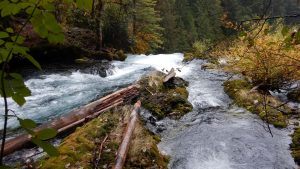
(20, 39)
(9, 30)
(46, 134)
(29, 10)
(4, 4)
(19, 99)
(47, 147)
(27, 123)
(56, 38)
(24, 5)
(2, 42)
(33, 61)
(51, 23)
(48, 6)
(7, 10)
(3, 35)
(14, 87)
(15, 9)
(285, 31)
(3, 54)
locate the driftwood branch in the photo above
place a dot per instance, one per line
(170, 75)
(124, 147)
(76, 117)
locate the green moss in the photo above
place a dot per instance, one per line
(188, 56)
(76, 150)
(144, 153)
(209, 66)
(239, 91)
(295, 146)
(164, 99)
(182, 91)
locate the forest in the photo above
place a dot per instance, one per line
(80, 77)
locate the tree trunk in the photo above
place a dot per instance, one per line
(99, 34)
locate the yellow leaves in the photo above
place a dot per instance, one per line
(144, 42)
(266, 61)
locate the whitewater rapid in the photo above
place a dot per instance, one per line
(215, 135)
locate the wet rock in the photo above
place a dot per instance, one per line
(176, 82)
(294, 95)
(100, 68)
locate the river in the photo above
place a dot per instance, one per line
(216, 135)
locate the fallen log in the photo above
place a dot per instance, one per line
(170, 75)
(76, 117)
(124, 147)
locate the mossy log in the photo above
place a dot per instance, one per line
(76, 117)
(77, 150)
(124, 147)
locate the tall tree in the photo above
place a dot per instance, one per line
(146, 30)
(167, 12)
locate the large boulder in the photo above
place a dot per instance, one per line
(168, 99)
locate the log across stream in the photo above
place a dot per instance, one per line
(77, 116)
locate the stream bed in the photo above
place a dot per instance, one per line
(215, 135)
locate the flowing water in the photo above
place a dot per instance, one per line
(215, 135)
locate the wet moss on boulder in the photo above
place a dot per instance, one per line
(295, 146)
(275, 113)
(168, 99)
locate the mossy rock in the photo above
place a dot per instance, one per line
(209, 66)
(239, 91)
(188, 56)
(295, 146)
(168, 99)
(294, 95)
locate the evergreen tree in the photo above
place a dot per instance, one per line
(185, 25)
(168, 15)
(146, 29)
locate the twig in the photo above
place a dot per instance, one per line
(99, 152)
(149, 91)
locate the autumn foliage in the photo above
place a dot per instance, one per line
(268, 57)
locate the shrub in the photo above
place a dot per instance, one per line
(268, 59)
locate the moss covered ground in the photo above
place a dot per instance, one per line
(77, 150)
(254, 101)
